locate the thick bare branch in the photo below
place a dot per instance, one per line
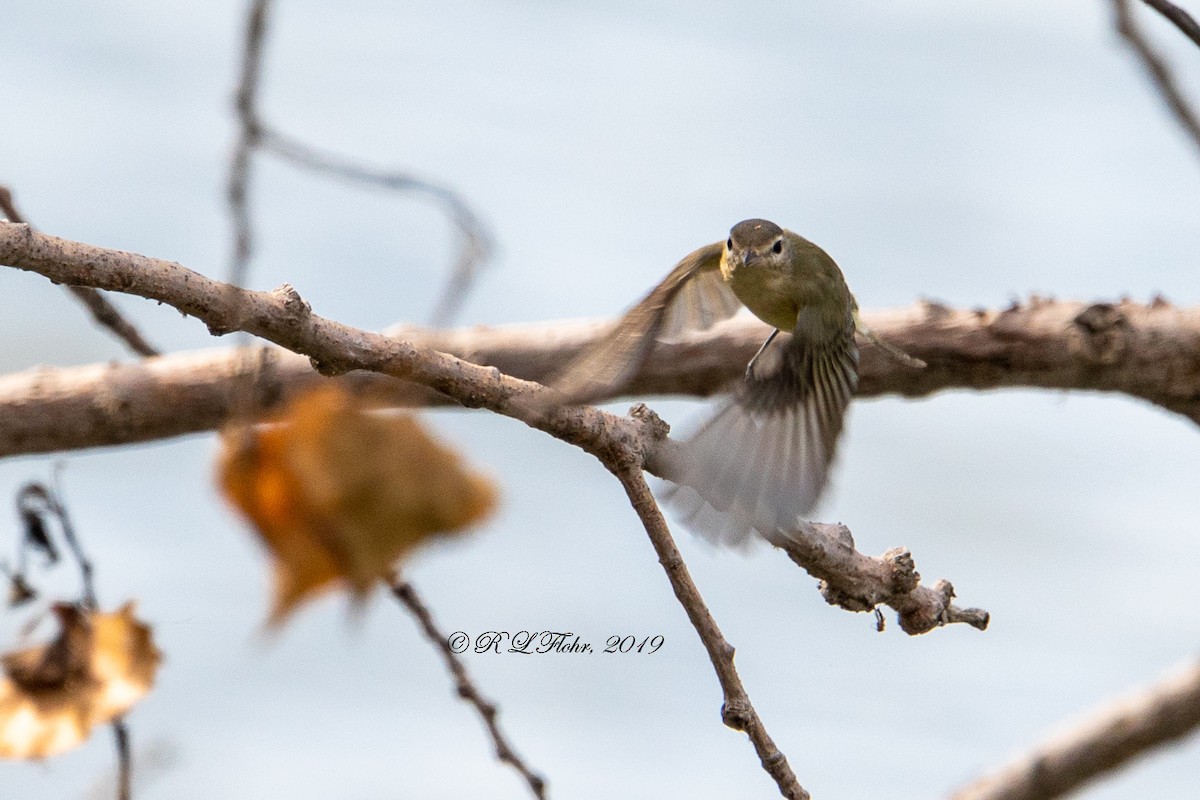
(1147, 351)
(1111, 738)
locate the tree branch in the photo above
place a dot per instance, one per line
(404, 592)
(102, 311)
(1160, 73)
(1112, 737)
(737, 711)
(249, 134)
(124, 761)
(1145, 351)
(1178, 17)
(255, 135)
(857, 582)
(852, 581)
(475, 247)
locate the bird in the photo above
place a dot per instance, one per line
(760, 461)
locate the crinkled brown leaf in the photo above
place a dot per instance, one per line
(339, 494)
(97, 668)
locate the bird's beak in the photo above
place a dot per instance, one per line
(748, 256)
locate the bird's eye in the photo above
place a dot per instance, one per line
(729, 243)
(778, 248)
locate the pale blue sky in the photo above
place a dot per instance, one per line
(967, 152)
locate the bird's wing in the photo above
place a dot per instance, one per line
(761, 461)
(606, 365)
(699, 304)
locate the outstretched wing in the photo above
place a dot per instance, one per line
(761, 461)
(692, 297)
(700, 303)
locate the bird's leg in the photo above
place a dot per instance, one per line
(750, 366)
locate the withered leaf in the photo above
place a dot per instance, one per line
(339, 494)
(95, 670)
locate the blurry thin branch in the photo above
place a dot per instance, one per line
(1109, 739)
(404, 592)
(857, 582)
(1178, 17)
(475, 243)
(737, 711)
(249, 132)
(124, 762)
(154, 760)
(1161, 74)
(1142, 350)
(37, 502)
(102, 311)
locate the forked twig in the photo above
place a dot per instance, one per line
(249, 132)
(476, 243)
(256, 135)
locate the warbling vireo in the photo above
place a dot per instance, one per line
(761, 461)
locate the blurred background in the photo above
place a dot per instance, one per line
(970, 153)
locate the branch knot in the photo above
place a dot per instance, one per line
(1104, 328)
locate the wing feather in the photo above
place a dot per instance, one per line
(692, 294)
(762, 460)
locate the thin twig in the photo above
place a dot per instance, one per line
(249, 134)
(1111, 738)
(475, 241)
(1178, 17)
(124, 761)
(1160, 73)
(403, 591)
(29, 498)
(106, 314)
(254, 135)
(103, 312)
(737, 711)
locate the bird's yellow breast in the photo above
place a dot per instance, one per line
(769, 295)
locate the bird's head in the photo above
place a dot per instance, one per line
(754, 243)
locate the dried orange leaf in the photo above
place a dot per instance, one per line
(96, 669)
(340, 494)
